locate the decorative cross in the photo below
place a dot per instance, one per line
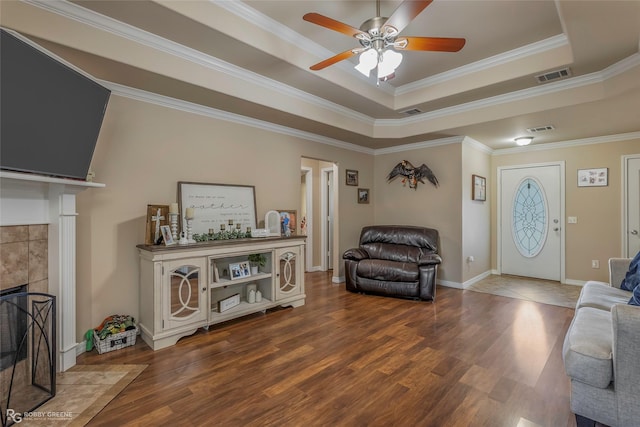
(157, 218)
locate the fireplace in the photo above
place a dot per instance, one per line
(38, 223)
(28, 351)
(13, 326)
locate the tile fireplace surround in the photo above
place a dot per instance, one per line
(38, 215)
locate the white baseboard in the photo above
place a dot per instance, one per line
(314, 269)
(476, 279)
(81, 347)
(450, 284)
(337, 279)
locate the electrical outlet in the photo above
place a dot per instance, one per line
(595, 263)
(470, 258)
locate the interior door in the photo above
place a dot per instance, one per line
(632, 226)
(531, 221)
(330, 208)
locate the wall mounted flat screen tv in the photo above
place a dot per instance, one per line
(50, 114)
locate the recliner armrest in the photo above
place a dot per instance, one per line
(355, 254)
(618, 267)
(430, 259)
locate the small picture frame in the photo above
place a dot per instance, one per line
(593, 177)
(363, 195)
(239, 270)
(157, 216)
(478, 188)
(166, 235)
(351, 177)
(288, 223)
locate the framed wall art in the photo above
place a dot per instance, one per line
(351, 177)
(478, 188)
(593, 177)
(363, 195)
(215, 204)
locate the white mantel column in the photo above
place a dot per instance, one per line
(62, 281)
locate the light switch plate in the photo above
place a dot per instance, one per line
(573, 220)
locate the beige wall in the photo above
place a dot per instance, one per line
(144, 150)
(476, 215)
(428, 206)
(597, 235)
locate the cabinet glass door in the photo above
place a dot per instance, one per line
(288, 276)
(185, 294)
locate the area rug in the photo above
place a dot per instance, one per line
(82, 392)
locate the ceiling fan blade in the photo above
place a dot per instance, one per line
(339, 57)
(439, 44)
(331, 24)
(405, 13)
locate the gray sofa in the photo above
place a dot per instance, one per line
(601, 353)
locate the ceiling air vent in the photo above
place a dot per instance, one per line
(540, 129)
(553, 75)
(412, 112)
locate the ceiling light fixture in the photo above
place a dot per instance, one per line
(523, 140)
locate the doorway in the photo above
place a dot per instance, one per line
(631, 208)
(327, 225)
(319, 202)
(530, 221)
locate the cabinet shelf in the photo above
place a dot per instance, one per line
(240, 310)
(222, 282)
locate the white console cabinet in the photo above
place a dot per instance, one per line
(182, 286)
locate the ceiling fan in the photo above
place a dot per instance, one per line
(380, 40)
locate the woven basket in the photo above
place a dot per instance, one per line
(116, 341)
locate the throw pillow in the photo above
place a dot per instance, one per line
(632, 278)
(635, 298)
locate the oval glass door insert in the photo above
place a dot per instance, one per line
(530, 217)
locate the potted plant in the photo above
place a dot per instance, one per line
(257, 260)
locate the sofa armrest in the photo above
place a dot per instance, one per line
(430, 259)
(355, 254)
(626, 363)
(618, 267)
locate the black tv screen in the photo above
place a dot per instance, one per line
(50, 114)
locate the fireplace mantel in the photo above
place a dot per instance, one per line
(27, 199)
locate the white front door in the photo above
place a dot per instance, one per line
(632, 197)
(530, 221)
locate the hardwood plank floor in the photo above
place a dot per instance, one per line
(344, 359)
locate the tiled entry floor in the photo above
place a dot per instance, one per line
(538, 290)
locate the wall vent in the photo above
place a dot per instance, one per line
(553, 75)
(412, 112)
(538, 129)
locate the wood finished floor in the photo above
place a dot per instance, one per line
(343, 359)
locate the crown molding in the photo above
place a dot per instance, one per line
(519, 95)
(136, 35)
(477, 145)
(571, 143)
(493, 61)
(189, 107)
(419, 145)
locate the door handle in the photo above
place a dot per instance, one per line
(556, 229)
(634, 232)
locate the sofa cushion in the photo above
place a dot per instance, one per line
(587, 350)
(390, 271)
(602, 296)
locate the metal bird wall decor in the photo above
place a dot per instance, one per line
(412, 175)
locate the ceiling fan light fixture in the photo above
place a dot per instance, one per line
(523, 140)
(367, 61)
(389, 61)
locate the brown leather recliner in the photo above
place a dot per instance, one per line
(394, 260)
